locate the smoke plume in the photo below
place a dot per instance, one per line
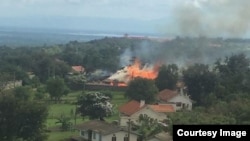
(212, 18)
(206, 19)
(183, 51)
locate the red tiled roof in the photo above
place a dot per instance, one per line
(78, 68)
(130, 108)
(166, 95)
(162, 108)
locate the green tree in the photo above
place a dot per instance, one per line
(40, 92)
(21, 119)
(35, 82)
(200, 117)
(142, 89)
(60, 68)
(65, 122)
(167, 77)
(23, 92)
(95, 105)
(43, 66)
(56, 88)
(147, 127)
(5, 79)
(76, 81)
(233, 73)
(200, 82)
(235, 106)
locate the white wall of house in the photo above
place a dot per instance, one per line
(151, 113)
(95, 135)
(124, 120)
(13, 84)
(84, 134)
(119, 136)
(184, 100)
(154, 139)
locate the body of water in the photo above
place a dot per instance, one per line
(40, 37)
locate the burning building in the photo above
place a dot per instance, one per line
(137, 69)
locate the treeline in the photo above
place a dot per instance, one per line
(220, 92)
(108, 54)
(48, 61)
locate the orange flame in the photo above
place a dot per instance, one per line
(120, 84)
(136, 70)
(122, 77)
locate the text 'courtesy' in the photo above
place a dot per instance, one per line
(211, 132)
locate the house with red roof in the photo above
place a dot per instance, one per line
(178, 98)
(77, 69)
(133, 109)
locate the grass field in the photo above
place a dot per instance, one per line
(61, 136)
(68, 108)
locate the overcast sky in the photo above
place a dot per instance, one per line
(133, 14)
(138, 9)
(189, 17)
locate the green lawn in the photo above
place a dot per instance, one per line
(61, 136)
(68, 109)
(117, 100)
(52, 122)
(56, 110)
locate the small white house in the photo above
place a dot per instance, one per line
(13, 84)
(180, 99)
(96, 130)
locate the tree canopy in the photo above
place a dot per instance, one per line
(167, 77)
(94, 105)
(234, 73)
(21, 119)
(56, 88)
(200, 82)
(142, 89)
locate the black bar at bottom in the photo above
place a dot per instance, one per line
(211, 132)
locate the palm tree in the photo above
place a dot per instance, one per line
(65, 122)
(148, 127)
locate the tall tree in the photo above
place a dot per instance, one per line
(142, 89)
(94, 105)
(21, 119)
(167, 77)
(56, 88)
(5, 79)
(200, 82)
(233, 74)
(43, 66)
